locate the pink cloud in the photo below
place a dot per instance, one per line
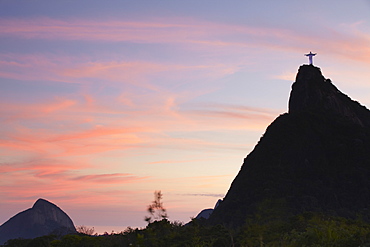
(55, 178)
(139, 74)
(92, 141)
(232, 117)
(32, 67)
(16, 111)
(190, 34)
(348, 43)
(146, 126)
(130, 71)
(147, 31)
(68, 128)
(40, 166)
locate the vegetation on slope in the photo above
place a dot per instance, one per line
(308, 229)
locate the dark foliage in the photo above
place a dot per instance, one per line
(308, 229)
(156, 209)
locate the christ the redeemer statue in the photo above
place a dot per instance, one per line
(310, 55)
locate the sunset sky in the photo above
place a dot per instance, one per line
(104, 102)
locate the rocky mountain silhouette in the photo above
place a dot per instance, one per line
(42, 219)
(205, 213)
(315, 158)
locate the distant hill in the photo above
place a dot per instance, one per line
(42, 219)
(314, 158)
(205, 213)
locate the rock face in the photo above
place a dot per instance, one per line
(313, 158)
(42, 219)
(206, 213)
(313, 93)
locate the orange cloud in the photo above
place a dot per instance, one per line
(40, 166)
(122, 129)
(17, 111)
(61, 105)
(54, 178)
(76, 143)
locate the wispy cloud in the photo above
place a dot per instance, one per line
(28, 179)
(234, 116)
(208, 195)
(74, 143)
(346, 43)
(117, 73)
(115, 178)
(286, 76)
(70, 122)
(173, 161)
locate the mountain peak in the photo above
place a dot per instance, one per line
(314, 158)
(311, 92)
(43, 218)
(310, 74)
(41, 203)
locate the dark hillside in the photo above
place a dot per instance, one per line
(42, 219)
(314, 158)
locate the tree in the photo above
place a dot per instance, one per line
(156, 209)
(85, 230)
